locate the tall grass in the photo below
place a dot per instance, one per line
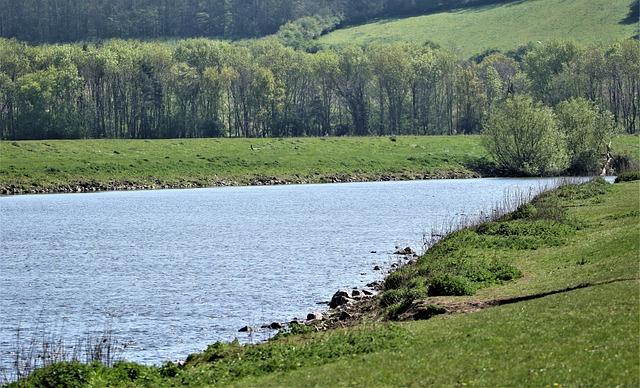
(45, 347)
(512, 200)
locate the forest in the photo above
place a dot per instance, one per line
(261, 88)
(89, 20)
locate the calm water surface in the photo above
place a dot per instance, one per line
(173, 271)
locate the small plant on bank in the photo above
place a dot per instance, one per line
(62, 374)
(169, 370)
(624, 163)
(453, 285)
(628, 176)
(293, 328)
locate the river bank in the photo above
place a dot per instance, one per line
(99, 165)
(80, 166)
(565, 316)
(92, 186)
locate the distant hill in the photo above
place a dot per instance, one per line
(504, 26)
(40, 21)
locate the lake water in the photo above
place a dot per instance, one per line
(170, 272)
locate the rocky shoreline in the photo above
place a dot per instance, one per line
(259, 180)
(347, 307)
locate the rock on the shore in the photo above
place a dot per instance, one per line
(405, 251)
(344, 316)
(339, 298)
(375, 285)
(315, 316)
(246, 329)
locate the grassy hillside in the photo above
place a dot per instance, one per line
(112, 164)
(502, 26)
(587, 336)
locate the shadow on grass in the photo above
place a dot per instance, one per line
(457, 6)
(486, 167)
(633, 16)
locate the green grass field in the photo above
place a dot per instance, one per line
(204, 162)
(504, 27)
(209, 162)
(585, 337)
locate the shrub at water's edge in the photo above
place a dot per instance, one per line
(523, 137)
(530, 139)
(628, 176)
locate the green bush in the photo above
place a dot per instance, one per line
(587, 162)
(446, 284)
(526, 211)
(628, 176)
(396, 309)
(391, 297)
(398, 278)
(524, 139)
(128, 370)
(505, 272)
(62, 374)
(624, 163)
(169, 370)
(587, 129)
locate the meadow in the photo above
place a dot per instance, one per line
(49, 166)
(210, 162)
(506, 26)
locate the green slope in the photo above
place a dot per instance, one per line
(504, 27)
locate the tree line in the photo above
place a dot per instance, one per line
(208, 88)
(91, 20)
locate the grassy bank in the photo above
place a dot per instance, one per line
(500, 26)
(586, 238)
(211, 162)
(45, 166)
